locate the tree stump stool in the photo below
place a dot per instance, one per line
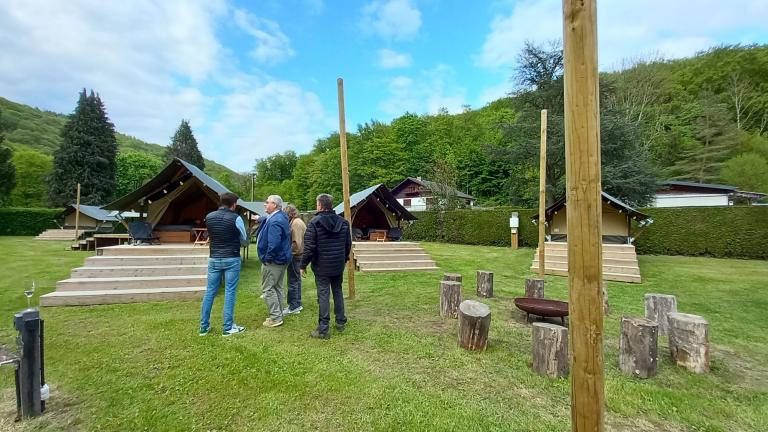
(450, 297)
(550, 350)
(455, 277)
(638, 347)
(484, 283)
(657, 309)
(474, 323)
(689, 341)
(534, 288)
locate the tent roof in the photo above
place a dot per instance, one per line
(94, 212)
(613, 202)
(381, 193)
(174, 170)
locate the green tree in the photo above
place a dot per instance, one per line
(32, 170)
(184, 146)
(7, 172)
(748, 171)
(717, 139)
(134, 169)
(86, 155)
(276, 168)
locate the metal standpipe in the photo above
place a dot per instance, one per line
(30, 370)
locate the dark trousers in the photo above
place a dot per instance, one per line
(325, 286)
(294, 283)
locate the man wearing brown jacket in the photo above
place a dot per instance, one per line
(298, 228)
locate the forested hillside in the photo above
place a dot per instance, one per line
(702, 119)
(34, 135)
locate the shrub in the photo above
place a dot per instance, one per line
(27, 221)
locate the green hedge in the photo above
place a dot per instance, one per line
(474, 227)
(27, 221)
(735, 232)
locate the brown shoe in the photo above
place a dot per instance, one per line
(271, 323)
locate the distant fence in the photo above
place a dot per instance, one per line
(735, 232)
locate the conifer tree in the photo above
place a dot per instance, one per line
(184, 146)
(7, 172)
(86, 155)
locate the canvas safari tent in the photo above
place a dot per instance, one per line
(177, 200)
(376, 213)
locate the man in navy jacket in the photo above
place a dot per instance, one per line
(327, 244)
(274, 248)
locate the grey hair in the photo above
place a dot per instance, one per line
(292, 211)
(277, 200)
(326, 201)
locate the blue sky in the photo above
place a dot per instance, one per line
(259, 77)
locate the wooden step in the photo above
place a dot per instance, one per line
(139, 260)
(606, 246)
(384, 245)
(139, 271)
(96, 297)
(606, 254)
(393, 257)
(606, 262)
(153, 250)
(406, 269)
(606, 276)
(628, 270)
(370, 265)
(122, 283)
(390, 251)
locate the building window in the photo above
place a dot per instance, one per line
(407, 202)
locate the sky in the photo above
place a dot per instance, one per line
(256, 78)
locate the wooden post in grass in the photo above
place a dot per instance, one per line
(484, 283)
(582, 164)
(450, 298)
(550, 350)
(639, 347)
(77, 213)
(345, 183)
(474, 324)
(542, 191)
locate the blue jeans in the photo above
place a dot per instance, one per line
(229, 268)
(294, 283)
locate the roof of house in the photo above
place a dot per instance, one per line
(94, 212)
(433, 186)
(166, 176)
(613, 202)
(709, 186)
(381, 193)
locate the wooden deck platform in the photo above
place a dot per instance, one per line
(619, 261)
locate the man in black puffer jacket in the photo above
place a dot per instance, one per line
(327, 244)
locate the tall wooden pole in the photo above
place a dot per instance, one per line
(345, 182)
(542, 190)
(77, 213)
(582, 164)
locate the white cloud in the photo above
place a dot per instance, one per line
(389, 59)
(435, 89)
(155, 63)
(392, 19)
(625, 29)
(272, 45)
(262, 117)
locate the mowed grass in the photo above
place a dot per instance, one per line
(397, 367)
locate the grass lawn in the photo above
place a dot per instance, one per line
(397, 367)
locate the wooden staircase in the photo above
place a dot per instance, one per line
(391, 257)
(619, 261)
(57, 234)
(130, 274)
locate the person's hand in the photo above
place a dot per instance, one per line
(303, 272)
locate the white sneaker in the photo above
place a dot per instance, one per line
(289, 311)
(234, 330)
